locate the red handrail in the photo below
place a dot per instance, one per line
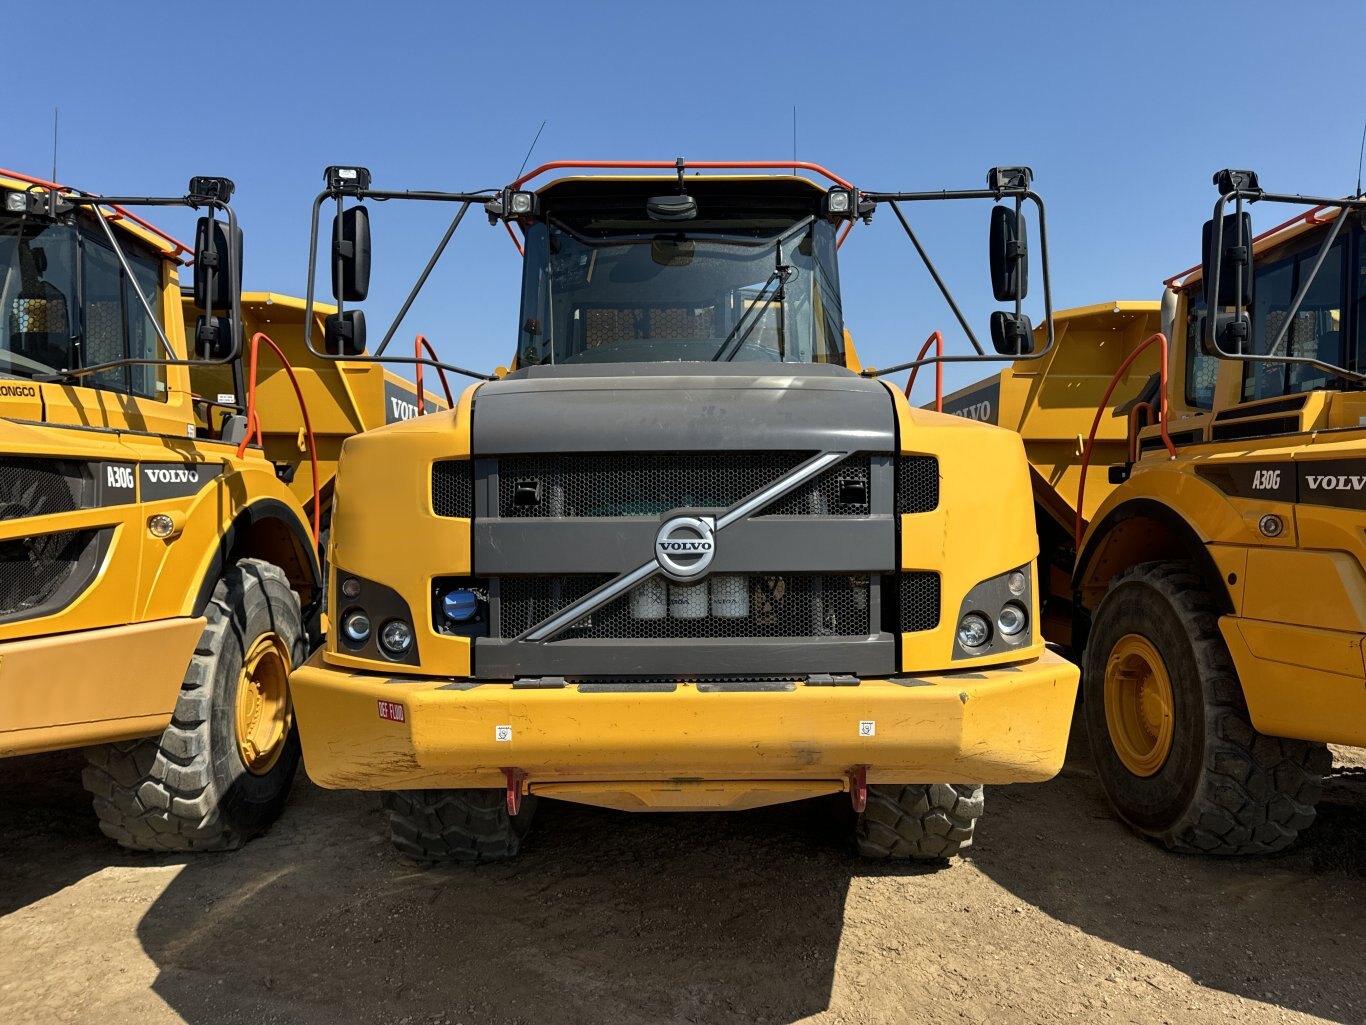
(1161, 340)
(937, 339)
(255, 421)
(181, 247)
(419, 345)
(688, 165)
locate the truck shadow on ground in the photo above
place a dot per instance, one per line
(1286, 929)
(762, 916)
(48, 835)
(603, 917)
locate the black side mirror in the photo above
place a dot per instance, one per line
(214, 258)
(213, 338)
(351, 255)
(344, 333)
(1009, 255)
(1237, 253)
(1012, 334)
(671, 208)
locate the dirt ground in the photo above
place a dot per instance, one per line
(1058, 914)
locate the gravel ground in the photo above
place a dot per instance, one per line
(1057, 914)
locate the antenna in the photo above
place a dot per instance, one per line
(531, 147)
(54, 144)
(794, 138)
(1359, 156)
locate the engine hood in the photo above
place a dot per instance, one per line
(654, 407)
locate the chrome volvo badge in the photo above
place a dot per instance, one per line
(685, 546)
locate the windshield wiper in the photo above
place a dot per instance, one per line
(749, 320)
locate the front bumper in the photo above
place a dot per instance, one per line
(707, 745)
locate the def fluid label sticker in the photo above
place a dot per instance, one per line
(391, 710)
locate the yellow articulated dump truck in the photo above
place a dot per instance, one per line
(159, 574)
(1210, 505)
(687, 554)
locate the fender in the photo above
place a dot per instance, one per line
(258, 512)
(1187, 541)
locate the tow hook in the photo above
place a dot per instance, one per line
(515, 778)
(858, 787)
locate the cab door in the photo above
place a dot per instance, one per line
(112, 324)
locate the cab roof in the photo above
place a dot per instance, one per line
(120, 219)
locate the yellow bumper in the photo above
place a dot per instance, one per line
(687, 745)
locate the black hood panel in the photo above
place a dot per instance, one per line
(669, 407)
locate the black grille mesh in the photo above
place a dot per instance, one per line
(38, 487)
(917, 484)
(787, 605)
(453, 488)
(821, 497)
(32, 569)
(918, 601)
(639, 483)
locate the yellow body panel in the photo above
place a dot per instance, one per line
(98, 686)
(1009, 724)
(108, 663)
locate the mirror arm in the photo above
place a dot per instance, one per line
(929, 265)
(422, 278)
(979, 357)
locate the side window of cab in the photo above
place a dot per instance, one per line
(114, 322)
(1202, 370)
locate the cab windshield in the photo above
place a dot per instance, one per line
(66, 302)
(678, 296)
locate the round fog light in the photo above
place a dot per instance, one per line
(350, 587)
(1016, 581)
(973, 630)
(1011, 620)
(396, 637)
(356, 627)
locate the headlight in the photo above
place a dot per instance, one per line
(1011, 620)
(973, 630)
(395, 638)
(1017, 582)
(356, 627)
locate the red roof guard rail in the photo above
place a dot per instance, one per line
(120, 211)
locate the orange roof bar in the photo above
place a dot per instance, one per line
(1308, 217)
(670, 165)
(180, 247)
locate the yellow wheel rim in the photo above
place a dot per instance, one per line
(1139, 707)
(264, 711)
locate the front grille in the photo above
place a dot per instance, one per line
(842, 490)
(917, 484)
(38, 487)
(43, 572)
(918, 601)
(758, 605)
(643, 484)
(453, 488)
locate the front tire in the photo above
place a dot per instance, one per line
(919, 821)
(221, 771)
(457, 825)
(1169, 729)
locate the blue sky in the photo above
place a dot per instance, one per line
(1123, 111)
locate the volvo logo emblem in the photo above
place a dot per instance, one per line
(685, 546)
